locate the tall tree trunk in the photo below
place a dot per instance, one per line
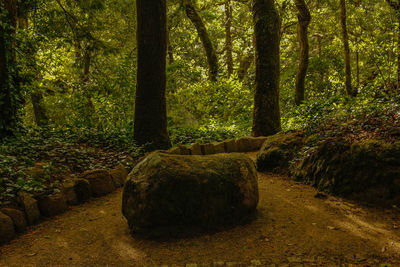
(9, 84)
(244, 65)
(266, 117)
(150, 107)
(304, 18)
(345, 39)
(169, 49)
(398, 47)
(396, 6)
(205, 39)
(228, 38)
(39, 110)
(358, 68)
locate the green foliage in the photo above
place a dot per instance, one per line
(184, 136)
(320, 112)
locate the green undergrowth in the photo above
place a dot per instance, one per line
(69, 151)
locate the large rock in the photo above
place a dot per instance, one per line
(30, 207)
(76, 190)
(119, 175)
(17, 217)
(52, 205)
(7, 231)
(278, 151)
(167, 192)
(100, 181)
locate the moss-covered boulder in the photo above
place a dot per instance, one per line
(168, 193)
(368, 170)
(278, 150)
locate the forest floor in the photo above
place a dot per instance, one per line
(294, 227)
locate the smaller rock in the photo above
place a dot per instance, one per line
(52, 205)
(219, 263)
(219, 147)
(191, 265)
(195, 149)
(76, 190)
(7, 232)
(244, 144)
(184, 150)
(119, 175)
(230, 146)
(18, 218)
(100, 181)
(30, 207)
(207, 149)
(174, 150)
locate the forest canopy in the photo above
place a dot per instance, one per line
(74, 62)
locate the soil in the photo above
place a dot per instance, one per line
(295, 225)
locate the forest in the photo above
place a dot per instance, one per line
(304, 95)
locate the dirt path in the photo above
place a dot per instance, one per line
(293, 227)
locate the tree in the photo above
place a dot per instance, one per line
(304, 19)
(9, 84)
(266, 117)
(204, 37)
(396, 7)
(345, 39)
(150, 108)
(228, 37)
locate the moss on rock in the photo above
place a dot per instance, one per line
(166, 194)
(278, 150)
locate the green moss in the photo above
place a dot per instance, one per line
(367, 170)
(278, 150)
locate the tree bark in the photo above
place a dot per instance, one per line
(396, 6)
(304, 18)
(244, 65)
(205, 39)
(345, 39)
(150, 108)
(41, 118)
(9, 84)
(266, 117)
(228, 38)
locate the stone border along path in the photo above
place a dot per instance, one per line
(96, 183)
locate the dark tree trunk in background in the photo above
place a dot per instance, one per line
(150, 106)
(9, 85)
(396, 6)
(304, 19)
(171, 58)
(205, 39)
(244, 65)
(345, 39)
(266, 117)
(39, 110)
(228, 38)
